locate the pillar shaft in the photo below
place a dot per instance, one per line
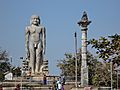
(84, 68)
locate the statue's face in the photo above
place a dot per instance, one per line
(35, 20)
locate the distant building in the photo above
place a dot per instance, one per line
(9, 76)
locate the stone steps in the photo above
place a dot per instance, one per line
(30, 88)
(25, 86)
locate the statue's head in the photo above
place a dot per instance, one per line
(35, 20)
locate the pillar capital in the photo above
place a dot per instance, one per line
(84, 22)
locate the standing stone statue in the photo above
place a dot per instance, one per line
(35, 44)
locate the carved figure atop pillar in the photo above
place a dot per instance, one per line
(35, 44)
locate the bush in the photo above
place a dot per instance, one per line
(2, 76)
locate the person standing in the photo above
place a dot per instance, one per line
(17, 87)
(1, 88)
(62, 87)
(44, 80)
(59, 84)
(63, 80)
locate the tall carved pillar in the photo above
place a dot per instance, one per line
(83, 23)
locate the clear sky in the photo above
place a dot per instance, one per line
(60, 18)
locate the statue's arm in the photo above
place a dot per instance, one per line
(44, 39)
(27, 34)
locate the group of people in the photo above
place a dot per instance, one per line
(59, 83)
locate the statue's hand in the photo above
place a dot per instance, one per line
(43, 51)
(28, 55)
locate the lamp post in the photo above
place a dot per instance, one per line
(83, 23)
(117, 69)
(111, 74)
(76, 59)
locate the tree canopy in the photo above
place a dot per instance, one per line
(107, 48)
(4, 63)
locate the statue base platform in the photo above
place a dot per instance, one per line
(34, 77)
(26, 71)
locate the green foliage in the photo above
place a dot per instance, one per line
(1, 76)
(4, 63)
(107, 48)
(16, 71)
(92, 65)
(67, 65)
(102, 75)
(3, 55)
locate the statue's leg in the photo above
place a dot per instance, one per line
(41, 60)
(38, 60)
(32, 60)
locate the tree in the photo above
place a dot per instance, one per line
(4, 64)
(101, 75)
(92, 63)
(67, 65)
(16, 71)
(108, 49)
